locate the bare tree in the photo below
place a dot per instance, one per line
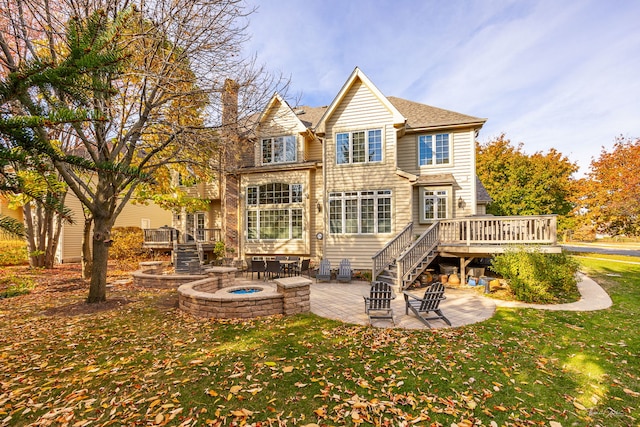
(158, 109)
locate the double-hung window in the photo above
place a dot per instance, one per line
(360, 212)
(274, 212)
(364, 146)
(434, 149)
(281, 149)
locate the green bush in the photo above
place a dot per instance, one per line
(11, 286)
(13, 252)
(537, 277)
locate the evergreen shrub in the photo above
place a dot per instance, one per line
(537, 277)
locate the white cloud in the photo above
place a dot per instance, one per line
(550, 74)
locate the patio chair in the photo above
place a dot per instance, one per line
(430, 302)
(274, 269)
(344, 272)
(324, 271)
(302, 267)
(378, 304)
(255, 266)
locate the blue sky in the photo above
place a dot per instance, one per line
(551, 74)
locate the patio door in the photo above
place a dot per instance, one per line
(199, 230)
(195, 227)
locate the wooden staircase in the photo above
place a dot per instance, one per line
(409, 261)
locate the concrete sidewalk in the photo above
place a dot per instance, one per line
(463, 306)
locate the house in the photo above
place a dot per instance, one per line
(385, 182)
(144, 216)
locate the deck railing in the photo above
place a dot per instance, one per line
(499, 230)
(208, 234)
(385, 256)
(417, 252)
(166, 237)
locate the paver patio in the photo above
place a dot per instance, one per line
(463, 306)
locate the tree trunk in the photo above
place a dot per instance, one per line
(101, 243)
(87, 261)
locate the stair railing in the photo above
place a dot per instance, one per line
(417, 252)
(385, 256)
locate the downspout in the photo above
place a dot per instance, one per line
(325, 230)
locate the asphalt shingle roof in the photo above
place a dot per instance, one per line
(422, 115)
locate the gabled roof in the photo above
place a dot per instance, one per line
(276, 98)
(421, 116)
(358, 75)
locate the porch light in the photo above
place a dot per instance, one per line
(460, 202)
(319, 206)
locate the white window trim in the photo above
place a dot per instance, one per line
(434, 164)
(272, 140)
(366, 146)
(449, 199)
(289, 207)
(343, 196)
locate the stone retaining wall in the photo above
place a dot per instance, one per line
(205, 298)
(296, 294)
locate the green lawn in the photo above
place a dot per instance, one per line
(140, 361)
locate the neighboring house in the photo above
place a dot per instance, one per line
(145, 216)
(385, 182)
(70, 245)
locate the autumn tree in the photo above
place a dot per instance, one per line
(522, 184)
(609, 196)
(160, 105)
(31, 125)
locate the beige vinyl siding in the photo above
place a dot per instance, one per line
(70, 245)
(359, 248)
(70, 249)
(362, 110)
(462, 168)
(313, 150)
(132, 215)
(271, 247)
(280, 121)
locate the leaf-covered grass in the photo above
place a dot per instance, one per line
(137, 360)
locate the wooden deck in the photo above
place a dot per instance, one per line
(165, 238)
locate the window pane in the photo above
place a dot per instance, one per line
(335, 216)
(375, 145)
(384, 215)
(252, 225)
(357, 140)
(252, 196)
(278, 150)
(426, 152)
(366, 215)
(442, 149)
(442, 207)
(351, 216)
(290, 149)
(274, 224)
(342, 148)
(296, 193)
(296, 223)
(266, 151)
(429, 207)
